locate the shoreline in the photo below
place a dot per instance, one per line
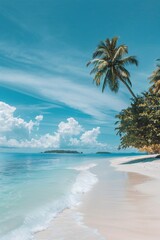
(115, 208)
(147, 168)
(129, 207)
(70, 219)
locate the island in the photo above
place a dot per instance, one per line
(103, 153)
(62, 151)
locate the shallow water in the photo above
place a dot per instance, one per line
(36, 188)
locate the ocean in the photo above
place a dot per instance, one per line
(36, 188)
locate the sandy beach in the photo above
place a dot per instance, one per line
(131, 210)
(123, 204)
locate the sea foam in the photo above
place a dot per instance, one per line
(84, 182)
(83, 167)
(40, 219)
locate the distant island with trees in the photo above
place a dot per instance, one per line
(71, 151)
(62, 151)
(103, 153)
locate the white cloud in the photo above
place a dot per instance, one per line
(9, 122)
(74, 141)
(39, 118)
(88, 139)
(69, 133)
(46, 141)
(71, 127)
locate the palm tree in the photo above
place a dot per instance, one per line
(109, 62)
(155, 79)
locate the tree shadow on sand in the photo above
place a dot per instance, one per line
(142, 160)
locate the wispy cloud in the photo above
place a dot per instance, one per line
(66, 62)
(61, 78)
(62, 90)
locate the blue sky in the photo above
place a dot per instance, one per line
(48, 99)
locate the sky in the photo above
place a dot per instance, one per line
(47, 96)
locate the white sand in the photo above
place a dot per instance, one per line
(151, 169)
(123, 205)
(68, 226)
(126, 208)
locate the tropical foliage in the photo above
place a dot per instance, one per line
(153, 148)
(109, 65)
(155, 79)
(139, 125)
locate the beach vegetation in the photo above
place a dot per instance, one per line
(155, 79)
(110, 62)
(139, 125)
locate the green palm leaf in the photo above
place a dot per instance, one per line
(109, 61)
(155, 79)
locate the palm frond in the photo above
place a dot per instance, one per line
(129, 60)
(112, 80)
(129, 82)
(102, 49)
(114, 42)
(97, 77)
(120, 51)
(88, 63)
(94, 70)
(104, 83)
(109, 65)
(102, 65)
(108, 42)
(155, 80)
(124, 71)
(95, 61)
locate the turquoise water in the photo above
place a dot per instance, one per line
(35, 188)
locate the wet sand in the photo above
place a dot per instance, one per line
(68, 226)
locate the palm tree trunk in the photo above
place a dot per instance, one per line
(130, 90)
